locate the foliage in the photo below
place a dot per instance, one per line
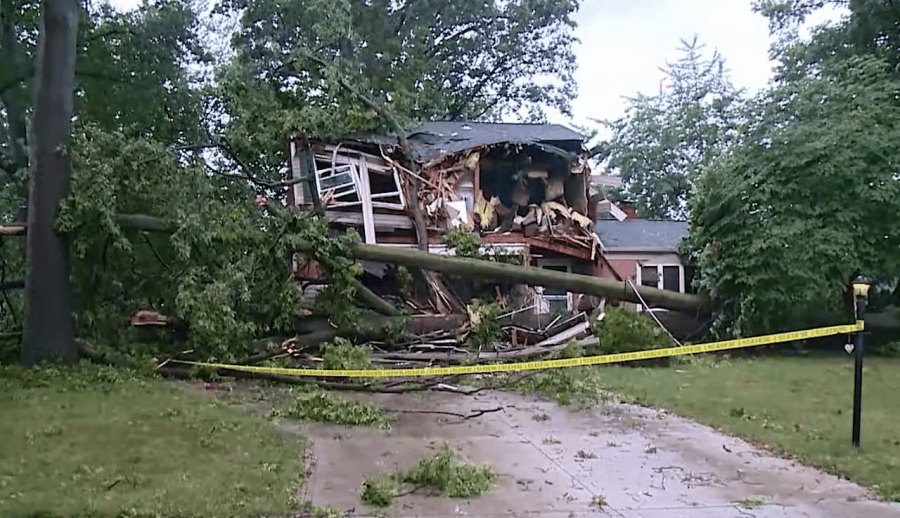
(664, 139)
(379, 491)
(623, 331)
(799, 407)
(325, 407)
(405, 281)
(462, 242)
(440, 474)
(569, 386)
(468, 244)
(414, 61)
(804, 202)
(420, 60)
(867, 28)
(160, 132)
(103, 430)
(443, 474)
(225, 267)
(340, 354)
(131, 74)
(484, 330)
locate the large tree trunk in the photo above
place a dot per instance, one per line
(479, 268)
(529, 275)
(48, 330)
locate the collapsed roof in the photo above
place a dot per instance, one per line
(506, 181)
(433, 140)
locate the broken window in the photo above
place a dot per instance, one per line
(554, 300)
(347, 178)
(338, 186)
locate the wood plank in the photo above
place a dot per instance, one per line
(564, 336)
(365, 195)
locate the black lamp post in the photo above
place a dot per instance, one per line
(861, 287)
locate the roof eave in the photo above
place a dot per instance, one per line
(650, 249)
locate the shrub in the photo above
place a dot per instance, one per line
(622, 331)
(340, 354)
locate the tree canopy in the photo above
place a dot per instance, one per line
(165, 128)
(807, 199)
(664, 139)
(807, 195)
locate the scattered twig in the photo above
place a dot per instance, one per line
(464, 417)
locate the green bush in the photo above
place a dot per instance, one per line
(623, 331)
(340, 354)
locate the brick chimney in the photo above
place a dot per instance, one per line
(629, 209)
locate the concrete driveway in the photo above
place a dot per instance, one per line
(554, 462)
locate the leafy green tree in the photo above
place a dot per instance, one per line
(131, 76)
(132, 73)
(809, 197)
(462, 59)
(869, 27)
(664, 139)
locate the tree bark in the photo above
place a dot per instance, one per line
(48, 330)
(377, 303)
(529, 275)
(479, 268)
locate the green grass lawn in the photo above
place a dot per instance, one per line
(100, 442)
(798, 406)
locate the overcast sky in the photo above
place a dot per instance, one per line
(625, 42)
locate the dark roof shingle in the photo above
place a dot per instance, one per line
(641, 233)
(434, 139)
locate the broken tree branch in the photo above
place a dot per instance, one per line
(464, 417)
(517, 354)
(479, 268)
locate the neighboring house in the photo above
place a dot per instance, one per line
(604, 180)
(643, 251)
(524, 188)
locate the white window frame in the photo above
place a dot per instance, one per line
(542, 303)
(638, 266)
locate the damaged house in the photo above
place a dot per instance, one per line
(523, 188)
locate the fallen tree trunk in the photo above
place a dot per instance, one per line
(484, 356)
(585, 284)
(374, 326)
(479, 268)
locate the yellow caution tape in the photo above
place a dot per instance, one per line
(549, 364)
